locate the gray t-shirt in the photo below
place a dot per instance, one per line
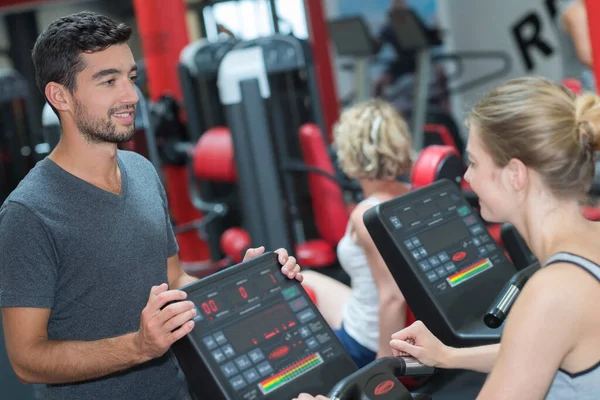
(92, 257)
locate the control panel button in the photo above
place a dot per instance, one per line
(306, 315)
(464, 210)
(434, 261)
(238, 382)
(416, 255)
(416, 241)
(298, 304)
(476, 229)
(316, 326)
(396, 222)
(312, 343)
(482, 251)
(323, 337)
(229, 369)
(408, 244)
(251, 375)
(228, 351)
(441, 272)
(218, 356)
(243, 362)
(423, 252)
(290, 292)
(484, 238)
(432, 276)
(425, 266)
(451, 268)
(443, 256)
(476, 242)
(220, 338)
(470, 220)
(264, 368)
(209, 342)
(305, 332)
(256, 355)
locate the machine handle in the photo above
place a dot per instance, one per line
(380, 375)
(502, 304)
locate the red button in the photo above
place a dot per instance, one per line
(459, 256)
(384, 387)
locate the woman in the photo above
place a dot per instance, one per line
(373, 146)
(531, 150)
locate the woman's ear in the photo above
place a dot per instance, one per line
(518, 174)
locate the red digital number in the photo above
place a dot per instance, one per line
(243, 292)
(213, 306)
(206, 308)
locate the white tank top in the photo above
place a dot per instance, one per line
(361, 312)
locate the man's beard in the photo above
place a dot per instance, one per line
(100, 130)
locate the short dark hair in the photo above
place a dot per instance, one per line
(57, 51)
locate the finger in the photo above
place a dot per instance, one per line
(304, 396)
(173, 310)
(181, 332)
(283, 255)
(163, 298)
(299, 277)
(251, 253)
(293, 271)
(157, 289)
(404, 347)
(178, 320)
(408, 332)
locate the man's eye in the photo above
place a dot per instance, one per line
(109, 82)
(133, 78)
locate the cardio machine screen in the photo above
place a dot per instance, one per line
(444, 238)
(258, 336)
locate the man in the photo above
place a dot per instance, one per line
(575, 44)
(88, 251)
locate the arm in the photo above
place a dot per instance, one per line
(392, 306)
(176, 275)
(575, 23)
(36, 359)
(533, 346)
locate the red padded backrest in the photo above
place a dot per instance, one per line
(424, 171)
(214, 157)
(443, 132)
(328, 203)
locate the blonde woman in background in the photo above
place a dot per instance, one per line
(373, 146)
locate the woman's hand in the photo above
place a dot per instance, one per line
(418, 342)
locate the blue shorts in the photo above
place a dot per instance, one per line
(359, 353)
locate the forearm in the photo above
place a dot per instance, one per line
(52, 361)
(182, 280)
(481, 359)
(392, 318)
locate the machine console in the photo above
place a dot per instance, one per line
(258, 336)
(443, 259)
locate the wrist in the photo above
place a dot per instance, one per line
(448, 359)
(135, 348)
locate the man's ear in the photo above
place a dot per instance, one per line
(58, 96)
(518, 174)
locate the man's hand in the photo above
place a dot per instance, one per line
(161, 327)
(290, 268)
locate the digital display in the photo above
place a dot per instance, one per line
(253, 331)
(443, 236)
(420, 211)
(216, 302)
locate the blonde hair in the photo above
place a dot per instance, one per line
(547, 127)
(373, 142)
